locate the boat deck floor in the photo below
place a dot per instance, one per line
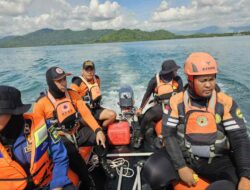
(128, 154)
(133, 156)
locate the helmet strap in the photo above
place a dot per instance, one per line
(191, 82)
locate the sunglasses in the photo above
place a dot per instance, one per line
(89, 69)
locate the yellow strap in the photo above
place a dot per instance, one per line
(158, 79)
(53, 100)
(186, 101)
(87, 83)
(212, 103)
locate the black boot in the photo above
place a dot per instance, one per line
(158, 142)
(88, 186)
(101, 153)
(149, 140)
(106, 167)
(137, 139)
(92, 185)
(137, 135)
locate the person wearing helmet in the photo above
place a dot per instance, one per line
(204, 132)
(88, 87)
(28, 150)
(163, 85)
(65, 108)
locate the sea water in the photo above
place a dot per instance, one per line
(133, 63)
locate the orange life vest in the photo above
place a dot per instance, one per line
(94, 92)
(65, 112)
(163, 90)
(13, 176)
(200, 185)
(200, 129)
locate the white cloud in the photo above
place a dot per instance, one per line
(200, 13)
(163, 6)
(59, 14)
(14, 7)
(104, 11)
(19, 17)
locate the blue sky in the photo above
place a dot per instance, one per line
(23, 16)
(142, 8)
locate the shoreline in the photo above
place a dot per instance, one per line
(178, 37)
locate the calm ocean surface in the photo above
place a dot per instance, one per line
(128, 63)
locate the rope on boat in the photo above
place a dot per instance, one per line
(121, 162)
(116, 164)
(93, 162)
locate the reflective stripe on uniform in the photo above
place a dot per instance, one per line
(173, 120)
(227, 123)
(232, 127)
(171, 124)
(180, 134)
(41, 135)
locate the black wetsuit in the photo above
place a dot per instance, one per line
(154, 114)
(232, 165)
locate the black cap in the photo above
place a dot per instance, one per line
(56, 73)
(168, 66)
(10, 101)
(87, 64)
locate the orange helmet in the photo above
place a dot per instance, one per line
(200, 63)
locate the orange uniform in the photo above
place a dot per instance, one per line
(13, 176)
(45, 108)
(80, 87)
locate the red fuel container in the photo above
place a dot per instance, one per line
(119, 133)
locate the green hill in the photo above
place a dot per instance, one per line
(46, 37)
(63, 37)
(54, 37)
(126, 35)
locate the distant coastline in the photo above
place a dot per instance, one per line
(47, 37)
